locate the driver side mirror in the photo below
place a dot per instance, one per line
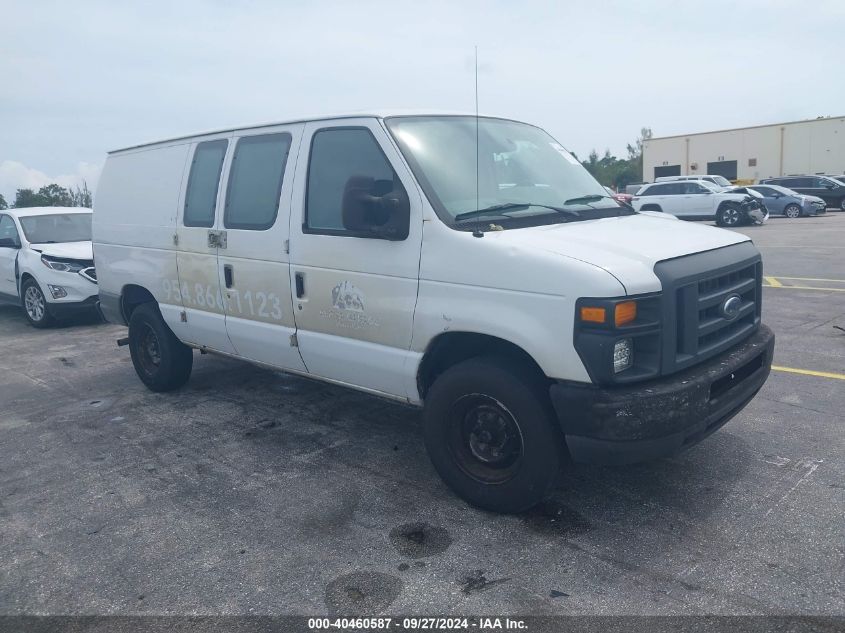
(8, 242)
(378, 209)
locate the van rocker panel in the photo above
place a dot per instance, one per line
(633, 423)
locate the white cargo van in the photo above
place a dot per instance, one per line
(534, 318)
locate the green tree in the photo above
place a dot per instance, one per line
(51, 195)
(619, 172)
(3, 203)
(27, 198)
(81, 196)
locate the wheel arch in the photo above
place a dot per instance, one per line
(449, 348)
(131, 296)
(651, 207)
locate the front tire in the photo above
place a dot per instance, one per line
(842, 204)
(792, 211)
(162, 361)
(35, 305)
(729, 215)
(490, 432)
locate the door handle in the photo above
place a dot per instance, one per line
(300, 285)
(228, 275)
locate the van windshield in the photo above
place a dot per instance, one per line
(525, 177)
(57, 227)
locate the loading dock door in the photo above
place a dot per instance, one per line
(726, 168)
(667, 170)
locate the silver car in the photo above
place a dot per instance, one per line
(782, 201)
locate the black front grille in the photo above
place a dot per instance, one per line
(695, 290)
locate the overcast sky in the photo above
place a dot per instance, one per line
(83, 77)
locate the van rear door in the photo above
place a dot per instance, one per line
(254, 268)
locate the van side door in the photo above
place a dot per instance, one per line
(197, 235)
(355, 265)
(253, 258)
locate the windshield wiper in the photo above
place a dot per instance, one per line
(499, 209)
(587, 199)
(595, 198)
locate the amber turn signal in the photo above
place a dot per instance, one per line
(624, 313)
(593, 315)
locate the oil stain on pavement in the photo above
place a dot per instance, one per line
(362, 593)
(418, 540)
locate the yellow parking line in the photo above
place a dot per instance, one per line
(802, 287)
(836, 281)
(809, 372)
(772, 282)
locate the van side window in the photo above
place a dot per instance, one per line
(255, 181)
(343, 158)
(201, 195)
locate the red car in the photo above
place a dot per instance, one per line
(621, 197)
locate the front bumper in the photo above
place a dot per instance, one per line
(627, 424)
(814, 209)
(64, 309)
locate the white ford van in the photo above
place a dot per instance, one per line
(535, 319)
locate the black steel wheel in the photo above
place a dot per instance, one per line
(161, 360)
(491, 433)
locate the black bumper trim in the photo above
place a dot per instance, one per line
(618, 425)
(62, 310)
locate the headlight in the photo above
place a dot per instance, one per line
(618, 339)
(63, 266)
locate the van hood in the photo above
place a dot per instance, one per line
(66, 250)
(627, 247)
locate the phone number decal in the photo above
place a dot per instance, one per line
(264, 305)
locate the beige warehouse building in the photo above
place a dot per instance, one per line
(814, 146)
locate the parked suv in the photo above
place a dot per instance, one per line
(828, 189)
(695, 200)
(719, 181)
(533, 318)
(46, 262)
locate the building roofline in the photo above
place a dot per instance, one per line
(748, 127)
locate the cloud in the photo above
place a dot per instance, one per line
(15, 175)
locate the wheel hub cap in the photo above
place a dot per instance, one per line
(34, 303)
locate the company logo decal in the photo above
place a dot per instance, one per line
(731, 306)
(345, 296)
(348, 308)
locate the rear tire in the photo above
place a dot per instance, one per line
(729, 215)
(842, 204)
(490, 432)
(792, 211)
(35, 305)
(162, 362)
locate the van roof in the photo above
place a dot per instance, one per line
(376, 114)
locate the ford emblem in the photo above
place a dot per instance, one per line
(731, 306)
